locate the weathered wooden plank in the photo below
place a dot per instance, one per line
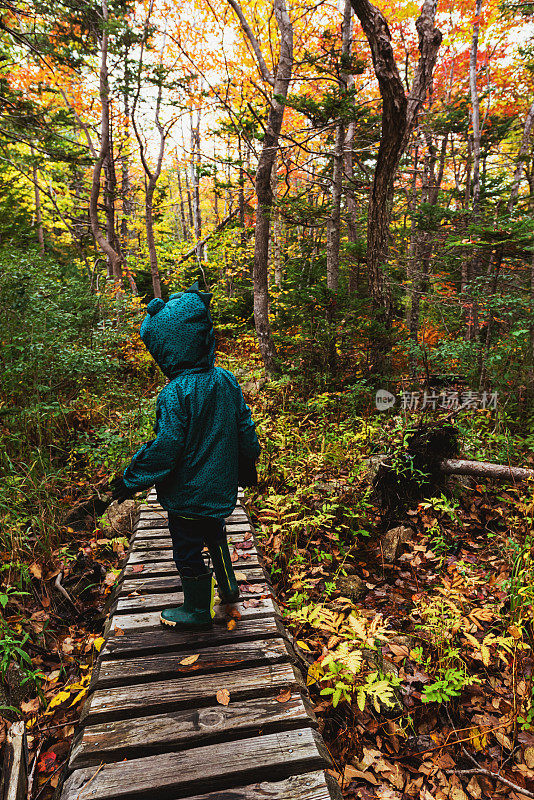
(158, 556)
(133, 603)
(150, 570)
(159, 519)
(219, 766)
(137, 582)
(238, 527)
(187, 728)
(263, 607)
(149, 522)
(309, 786)
(122, 702)
(233, 655)
(163, 640)
(165, 543)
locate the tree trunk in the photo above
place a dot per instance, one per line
(474, 268)
(38, 208)
(185, 227)
(126, 188)
(521, 156)
(399, 115)
(485, 469)
(475, 112)
(195, 181)
(115, 257)
(333, 225)
(189, 204)
(149, 223)
(264, 193)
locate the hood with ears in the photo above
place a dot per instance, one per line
(179, 334)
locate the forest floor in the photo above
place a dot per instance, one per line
(415, 635)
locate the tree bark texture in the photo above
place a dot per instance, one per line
(38, 208)
(399, 115)
(115, 258)
(264, 193)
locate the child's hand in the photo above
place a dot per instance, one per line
(119, 490)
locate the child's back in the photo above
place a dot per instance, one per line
(203, 431)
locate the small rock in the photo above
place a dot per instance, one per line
(370, 466)
(351, 586)
(118, 519)
(393, 540)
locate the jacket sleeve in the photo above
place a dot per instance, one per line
(157, 458)
(249, 447)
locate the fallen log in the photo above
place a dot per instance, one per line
(14, 781)
(485, 469)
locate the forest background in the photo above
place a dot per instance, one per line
(355, 185)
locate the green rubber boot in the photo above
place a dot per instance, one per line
(196, 612)
(227, 587)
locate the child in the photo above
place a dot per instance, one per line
(205, 440)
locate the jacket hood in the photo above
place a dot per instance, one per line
(179, 334)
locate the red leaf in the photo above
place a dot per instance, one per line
(47, 761)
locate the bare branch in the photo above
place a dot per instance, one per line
(264, 69)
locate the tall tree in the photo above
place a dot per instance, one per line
(264, 193)
(399, 116)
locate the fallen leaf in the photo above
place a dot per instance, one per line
(189, 660)
(223, 697)
(79, 697)
(351, 773)
(529, 757)
(234, 556)
(474, 789)
(97, 644)
(284, 696)
(118, 632)
(240, 576)
(30, 707)
(231, 624)
(36, 571)
(138, 567)
(67, 646)
(303, 645)
(47, 761)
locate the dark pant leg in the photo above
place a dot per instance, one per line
(187, 544)
(214, 530)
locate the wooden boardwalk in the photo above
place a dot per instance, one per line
(152, 726)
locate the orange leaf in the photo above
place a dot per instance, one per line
(138, 567)
(231, 624)
(223, 697)
(118, 632)
(284, 696)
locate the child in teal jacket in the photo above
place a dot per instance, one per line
(204, 438)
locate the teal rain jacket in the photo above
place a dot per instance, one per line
(203, 425)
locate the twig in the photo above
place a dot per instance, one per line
(494, 776)
(478, 770)
(32, 772)
(61, 589)
(43, 787)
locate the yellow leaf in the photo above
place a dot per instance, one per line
(97, 644)
(59, 698)
(303, 645)
(486, 655)
(79, 697)
(189, 660)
